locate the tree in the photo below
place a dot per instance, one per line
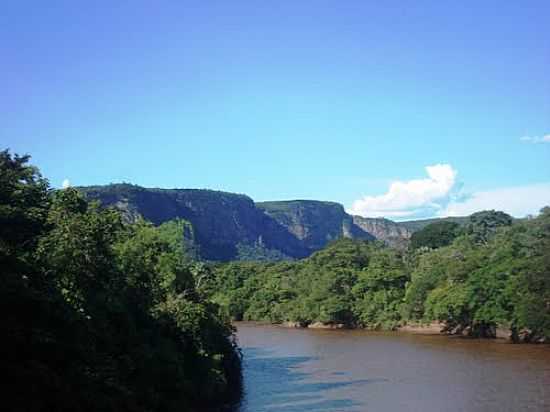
(483, 225)
(435, 235)
(529, 288)
(380, 289)
(102, 315)
(44, 344)
(23, 206)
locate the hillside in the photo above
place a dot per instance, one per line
(394, 234)
(416, 225)
(222, 222)
(313, 222)
(228, 226)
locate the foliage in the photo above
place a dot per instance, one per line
(380, 289)
(259, 252)
(101, 315)
(335, 285)
(483, 225)
(529, 288)
(416, 225)
(494, 273)
(435, 235)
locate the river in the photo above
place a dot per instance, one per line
(302, 370)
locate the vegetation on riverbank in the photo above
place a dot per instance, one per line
(102, 315)
(492, 272)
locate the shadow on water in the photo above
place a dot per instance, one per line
(274, 383)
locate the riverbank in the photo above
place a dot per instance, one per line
(430, 329)
(416, 328)
(433, 328)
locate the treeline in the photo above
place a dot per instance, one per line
(492, 272)
(99, 315)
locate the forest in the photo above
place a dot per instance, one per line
(491, 273)
(102, 315)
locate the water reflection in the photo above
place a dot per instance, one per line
(274, 383)
(356, 371)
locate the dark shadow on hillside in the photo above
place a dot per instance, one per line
(274, 384)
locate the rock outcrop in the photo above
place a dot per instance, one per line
(313, 222)
(229, 226)
(222, 221)
(392, 233)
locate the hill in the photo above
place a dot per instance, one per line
(229, 226)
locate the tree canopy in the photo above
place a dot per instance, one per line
(493, 274)
(435, 235)
(102, 315)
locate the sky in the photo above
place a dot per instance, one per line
(398, 109)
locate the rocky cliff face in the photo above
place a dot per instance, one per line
(313, 222)
(392, 233)
(231, 226)
(221, 221)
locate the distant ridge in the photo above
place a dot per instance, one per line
(416, 225)
(230, 226)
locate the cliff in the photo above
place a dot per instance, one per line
(222, 221)
(392, 233)
(313, 222)
(229, 226)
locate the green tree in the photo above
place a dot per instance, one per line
(483, 225)
(380, 290)
(45, 350)
(435, 235)
(101, 315)
(529, 288)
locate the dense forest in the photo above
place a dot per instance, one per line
(491, 272)
(102, 315)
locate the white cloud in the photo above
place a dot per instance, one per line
(536, 139)
(412, 198)
(66, 183)
(518, 201)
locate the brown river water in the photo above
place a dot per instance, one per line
(303, 370)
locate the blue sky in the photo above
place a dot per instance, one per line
(343, 101)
